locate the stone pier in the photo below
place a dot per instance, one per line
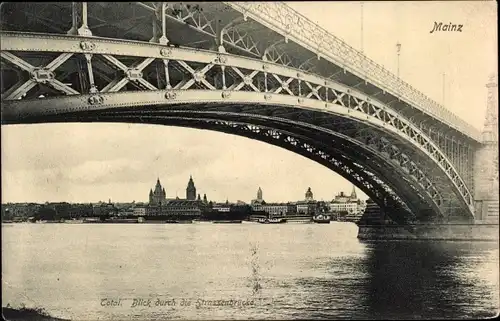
(448, 232)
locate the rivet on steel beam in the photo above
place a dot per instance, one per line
(267, 97)
(220, 59)
(170, 95)
(166, 52)
(226, 94)
(96, 100)
(87, 45)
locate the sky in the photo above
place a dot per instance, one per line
(121, 162)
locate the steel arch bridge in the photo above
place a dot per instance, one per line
(249, 69)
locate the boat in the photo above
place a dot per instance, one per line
(73, 221)
(92, 220)
(271, 220)
(304, 221)
(178, 221)
(121, 220)
(227, 222)
(322, 219)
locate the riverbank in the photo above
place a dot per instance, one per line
(27, 314)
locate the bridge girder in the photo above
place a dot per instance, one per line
(190, 77)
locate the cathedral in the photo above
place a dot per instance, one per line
(159, 204)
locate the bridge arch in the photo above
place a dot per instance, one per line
(224, 87)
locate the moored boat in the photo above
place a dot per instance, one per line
(178, 221)
(272, 220)
(121, 220)
(322, 219)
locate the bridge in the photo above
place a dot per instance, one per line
(258, 70)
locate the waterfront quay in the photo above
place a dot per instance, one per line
(373, 223)
(192, 208)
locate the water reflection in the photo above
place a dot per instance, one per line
(428, 280)
(409, 280)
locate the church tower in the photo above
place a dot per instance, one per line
(259, 194)
(158, 196)
(191, 190)
(309, 195)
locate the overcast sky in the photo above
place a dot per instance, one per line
(92, 162)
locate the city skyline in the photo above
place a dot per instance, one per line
(91, 162)
(199, 192)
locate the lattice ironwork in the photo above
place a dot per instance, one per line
(291, 24)
(117, 69)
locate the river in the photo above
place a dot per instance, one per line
(242, 271)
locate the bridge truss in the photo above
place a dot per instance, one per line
(218, 84)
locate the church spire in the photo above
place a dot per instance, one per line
(158, 195)
(309, 195)
(191, 189)
(353, 193)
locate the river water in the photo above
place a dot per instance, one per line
(242, 271)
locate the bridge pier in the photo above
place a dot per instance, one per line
(375, 226)
(437, 232)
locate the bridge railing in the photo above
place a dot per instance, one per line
(292, 24)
